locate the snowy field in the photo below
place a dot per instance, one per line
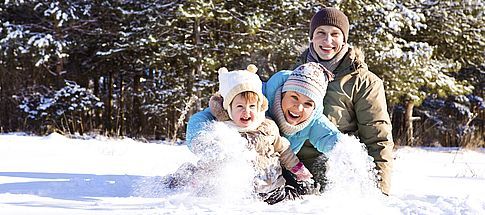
(57, 175)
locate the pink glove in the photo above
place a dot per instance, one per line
(301, 172)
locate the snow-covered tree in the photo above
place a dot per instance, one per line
(401, 51)
(65, 109)
(407, 48)
(145, 59)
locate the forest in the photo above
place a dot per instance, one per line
(140, 69)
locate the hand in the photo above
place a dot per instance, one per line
(301, 172)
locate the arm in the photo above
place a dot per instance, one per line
(195, 125)
(275, 81)
(287, 158)
(375, 129)
(324, 134)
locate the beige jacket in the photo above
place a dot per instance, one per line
(355, 102)
(273, 151)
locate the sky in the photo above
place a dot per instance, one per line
(55, 174)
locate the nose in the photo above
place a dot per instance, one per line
(300, 107)
(246, 109)
(328, 38)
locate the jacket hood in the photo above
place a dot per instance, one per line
(353, 60)
(215, 105)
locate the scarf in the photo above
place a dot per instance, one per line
(331, 64)
(286, 128)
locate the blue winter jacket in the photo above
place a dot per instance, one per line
(320, 131)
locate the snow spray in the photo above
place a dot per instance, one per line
(350, 169)
(351, 178)
(225, 154)
(224, 170)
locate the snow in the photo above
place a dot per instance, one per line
(58, 175)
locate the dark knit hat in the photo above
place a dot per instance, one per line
(330, 16)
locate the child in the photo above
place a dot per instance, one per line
(243, 108)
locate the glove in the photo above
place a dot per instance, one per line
(301, 172)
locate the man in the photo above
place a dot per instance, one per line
(355, 99)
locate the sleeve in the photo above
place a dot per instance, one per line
(324, 134)
(281, 145)
(274, 82)
(195, 125)
(288, 159)
(375, 129)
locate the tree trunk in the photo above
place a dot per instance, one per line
(197, 71)
(60, 61)
(408, 123)
(109, 105)
(3, 101)
(100, 111)
(137, 115)
(198, 43)
(121, 108)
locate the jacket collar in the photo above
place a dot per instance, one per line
(352, 61)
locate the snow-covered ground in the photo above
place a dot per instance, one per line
(58, 175)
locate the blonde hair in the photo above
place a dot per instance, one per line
(250, 96)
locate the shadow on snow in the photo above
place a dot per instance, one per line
(68, 186)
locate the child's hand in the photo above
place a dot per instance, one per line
(301, 172)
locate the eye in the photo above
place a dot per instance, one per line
(309, 104)
(294, 97)
(253, 106)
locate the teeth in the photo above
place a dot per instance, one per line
(293, 114)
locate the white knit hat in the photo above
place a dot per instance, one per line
(238, 81)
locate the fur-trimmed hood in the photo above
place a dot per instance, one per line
(215, 105)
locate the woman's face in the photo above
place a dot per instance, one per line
(327, 41)
(243, 112)
(296, 107)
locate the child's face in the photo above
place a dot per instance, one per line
(327, 41)
(244, 112)
(296, 107)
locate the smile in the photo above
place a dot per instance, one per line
(293, 115)
(245, 119)
(326, 49)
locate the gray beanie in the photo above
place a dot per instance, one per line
(330, 16)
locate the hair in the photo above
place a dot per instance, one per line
(249, 96)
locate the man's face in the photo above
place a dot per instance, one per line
(327, 41)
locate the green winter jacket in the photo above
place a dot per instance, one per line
(355, 102)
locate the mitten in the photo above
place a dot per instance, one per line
(301, 172)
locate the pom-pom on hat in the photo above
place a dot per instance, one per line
(330, 16)
(231, 83)
(310, 79)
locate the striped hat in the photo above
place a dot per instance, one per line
(310, 79)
